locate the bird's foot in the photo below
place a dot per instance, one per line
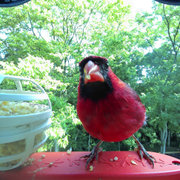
(143, 153)
(93, 154)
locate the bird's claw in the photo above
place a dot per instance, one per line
(93, 154)
(143, 153)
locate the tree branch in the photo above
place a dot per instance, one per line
(32, 27)
(173, 42)
(83, 32)
(177, 30)
(74, 29)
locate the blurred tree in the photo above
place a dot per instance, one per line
(160, 32)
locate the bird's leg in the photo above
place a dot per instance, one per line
(94, 153)
(143, 153)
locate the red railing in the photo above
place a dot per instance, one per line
(112, 165)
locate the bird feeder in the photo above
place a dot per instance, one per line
(24, 117)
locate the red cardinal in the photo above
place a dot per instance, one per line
(107, 107)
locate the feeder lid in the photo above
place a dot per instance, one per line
(170, 2)
(10, 95)
(11, 3)
(19, 94)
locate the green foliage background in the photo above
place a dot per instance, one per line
(45, 40)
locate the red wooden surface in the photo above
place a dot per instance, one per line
(61, 165)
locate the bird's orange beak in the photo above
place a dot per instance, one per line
(92, 73)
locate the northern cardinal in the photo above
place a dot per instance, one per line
(108, 108)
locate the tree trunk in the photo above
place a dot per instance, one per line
(89, 143)
(169, 139)
(56, 148)
(119, 146)
(163, 138)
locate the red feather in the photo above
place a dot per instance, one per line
(113, 118)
